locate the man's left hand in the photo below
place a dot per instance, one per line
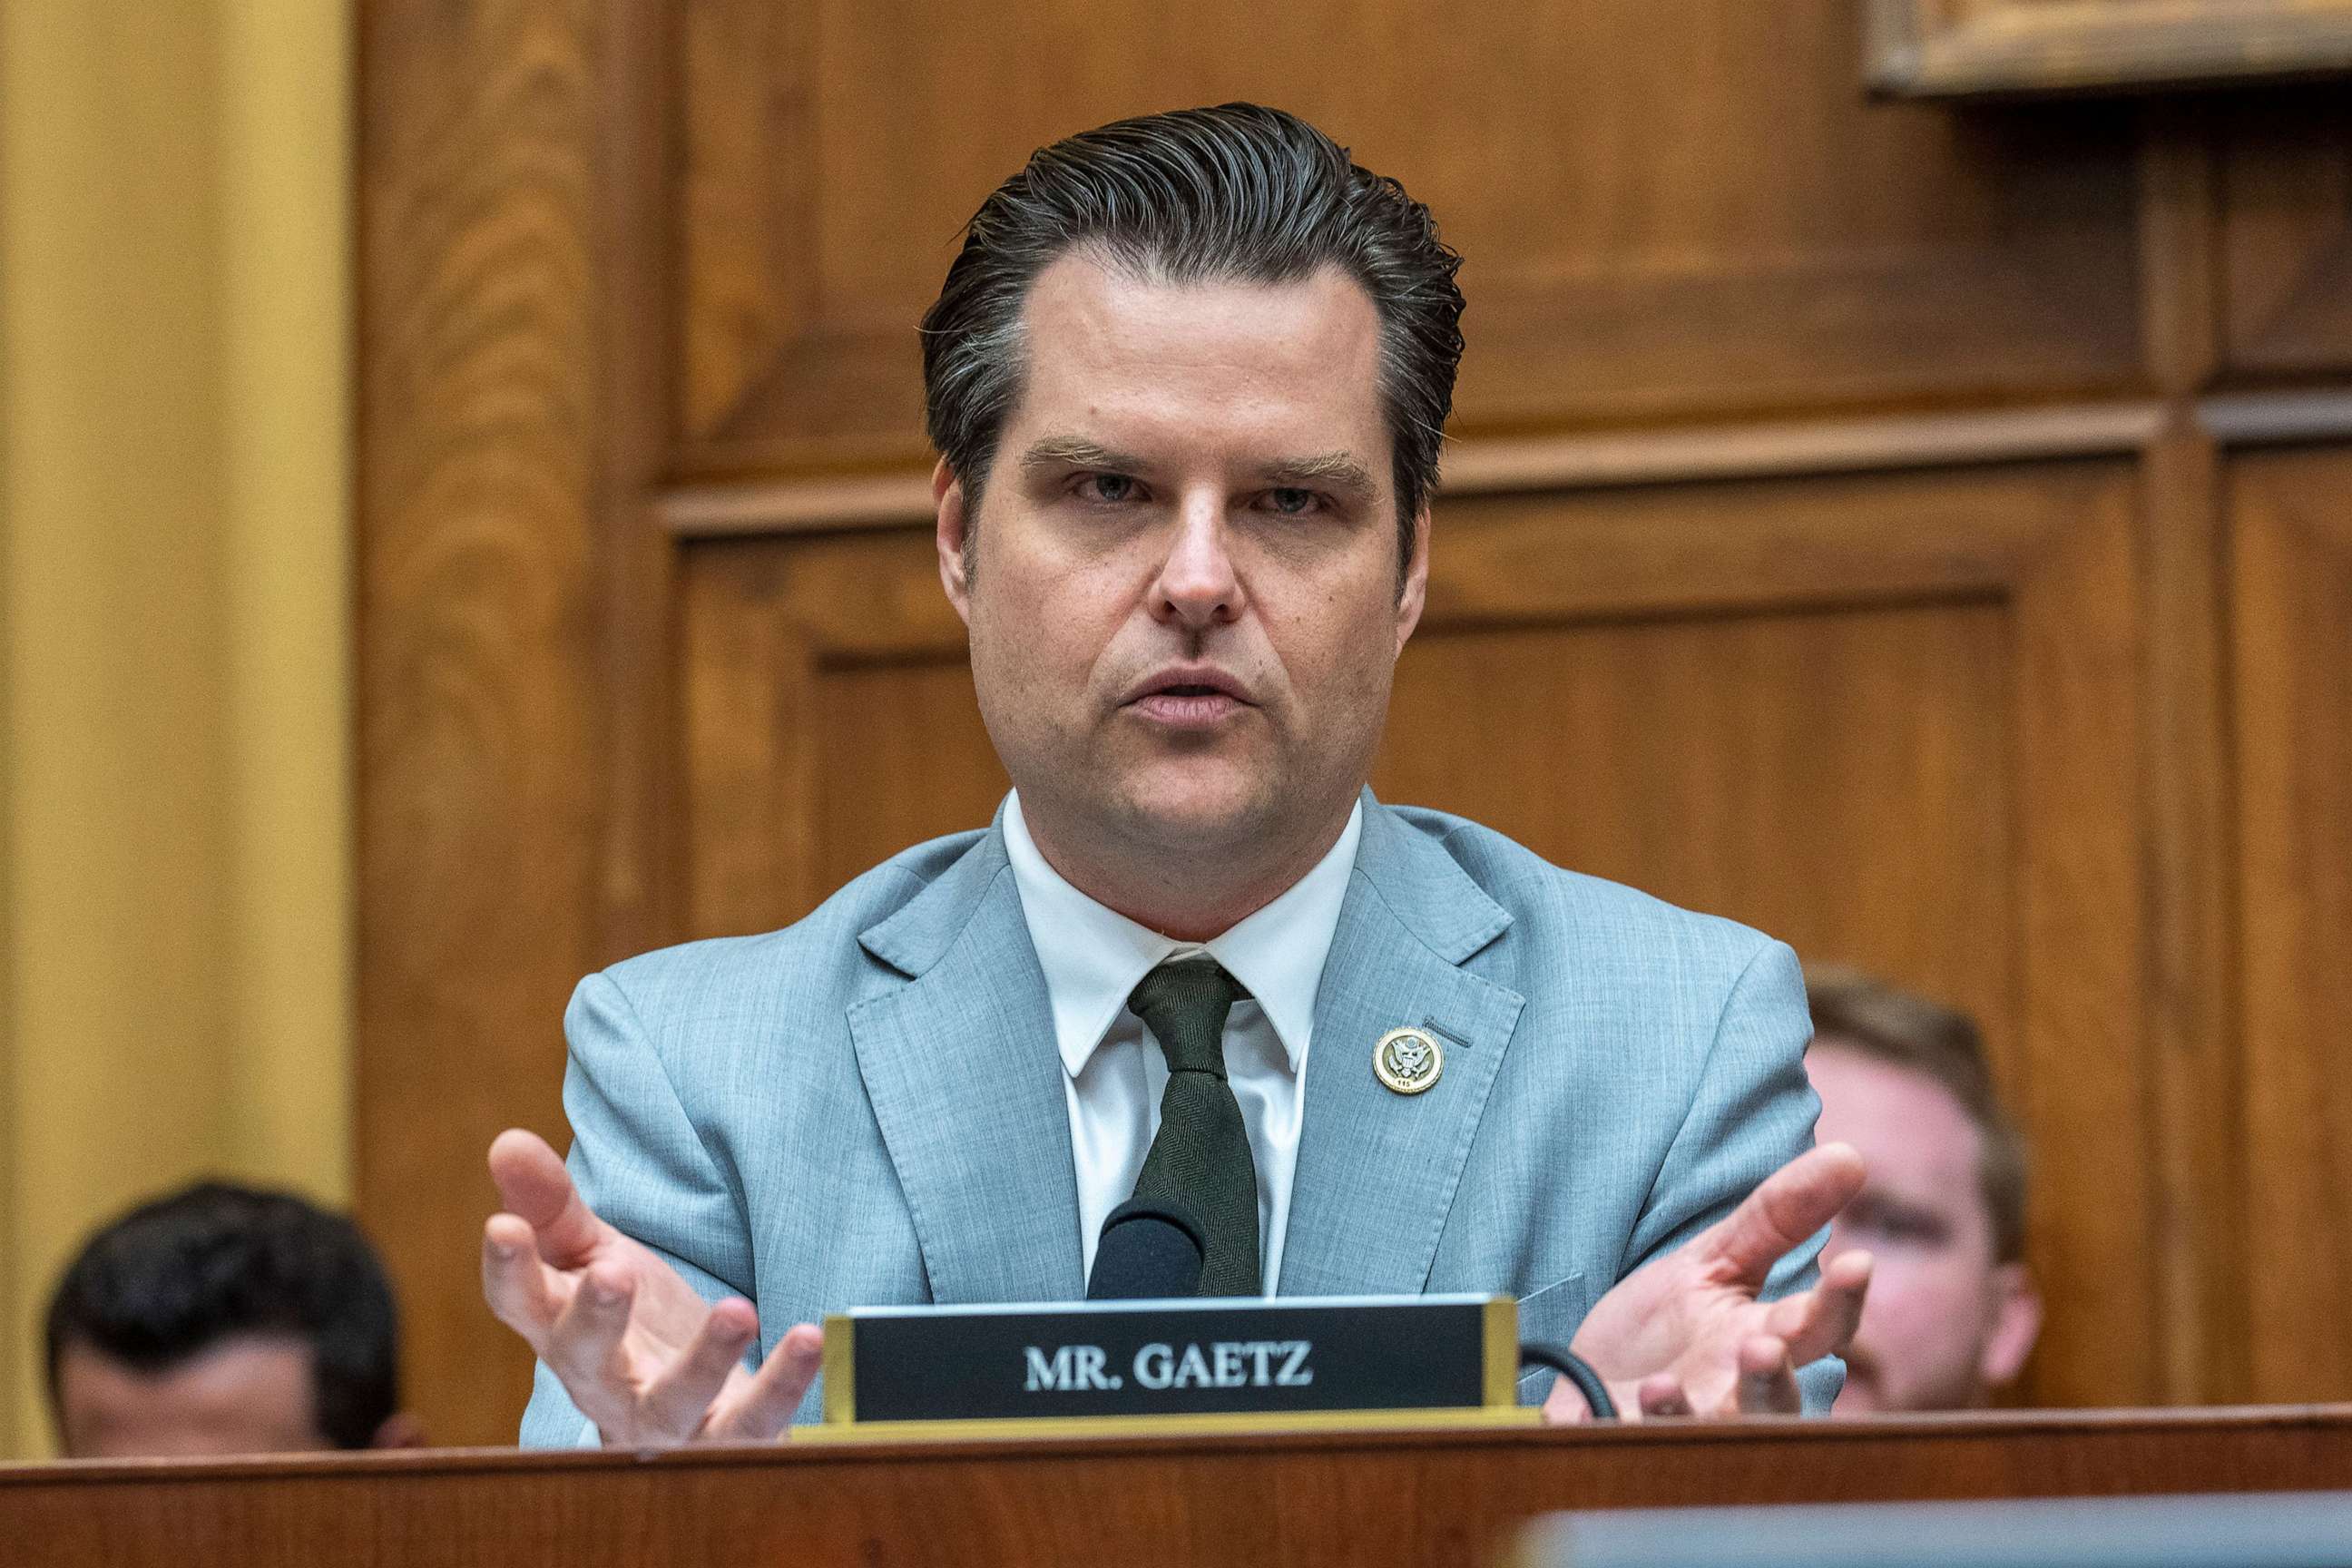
(1685, 1335)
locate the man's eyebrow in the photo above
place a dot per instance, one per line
(1073, 452)
(1337, 470)
(1884, 1205)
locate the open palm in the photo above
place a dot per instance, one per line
(641, 1353)
(1685, 1334)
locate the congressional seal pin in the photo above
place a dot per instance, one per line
(1408, 1060)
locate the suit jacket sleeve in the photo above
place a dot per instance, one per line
(1753, 1112)
(642, 1166)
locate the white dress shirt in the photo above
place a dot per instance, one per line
(1113, 1071)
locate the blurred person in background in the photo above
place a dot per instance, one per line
(1953, 1312)
(224, 1319)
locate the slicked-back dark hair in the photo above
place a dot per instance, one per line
(214, 1262)
(1239, 192)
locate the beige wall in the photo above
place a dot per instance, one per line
(174, 927)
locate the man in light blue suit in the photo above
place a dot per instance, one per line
(1186, 378)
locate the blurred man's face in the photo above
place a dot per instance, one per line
(245, 1395)
(1944, 1322)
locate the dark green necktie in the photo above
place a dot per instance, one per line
(1201, 1155)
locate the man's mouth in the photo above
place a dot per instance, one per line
(1189, 699)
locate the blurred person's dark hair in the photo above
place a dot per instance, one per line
(214, 1262)
(1853, 1012)
(1236, 193)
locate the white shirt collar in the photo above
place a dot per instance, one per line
(1093, 955)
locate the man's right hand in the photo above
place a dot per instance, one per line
(642, 1355)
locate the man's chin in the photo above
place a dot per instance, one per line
(1197, 820)
(1204, 800)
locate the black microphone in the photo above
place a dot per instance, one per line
(1150, 1249)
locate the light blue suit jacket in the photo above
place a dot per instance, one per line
(867, 1107)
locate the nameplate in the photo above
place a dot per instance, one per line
(1151, 1365)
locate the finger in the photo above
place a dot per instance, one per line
(1768, 1379)
(584, 1350)
(1662, 1397)
(762, 1406)
(1821, 1321)
(1786, 1208)
(515, 1282)
(533, 1183)
(1566, 1406)
(676, 1402)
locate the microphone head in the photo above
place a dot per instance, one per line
(1151, 1249)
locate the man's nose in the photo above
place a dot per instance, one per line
(1197, 587)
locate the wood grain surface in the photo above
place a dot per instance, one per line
(480, 817)
(1965, 48)
(2288, 198)
(2292, 533)
(1654, 226)
(1425, 1500)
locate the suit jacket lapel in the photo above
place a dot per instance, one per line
(961, 1068)
(1377, 1171)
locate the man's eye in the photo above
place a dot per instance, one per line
(1904, 1229)
(1293, 503)
(1106, 488)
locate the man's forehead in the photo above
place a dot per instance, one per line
(246, 1392)
(230, 1365)
(1121, 362)
(1084, 319)
(1868, 1097)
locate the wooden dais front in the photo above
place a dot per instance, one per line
(1363, 1500)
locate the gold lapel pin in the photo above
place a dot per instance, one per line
(1408, 1060)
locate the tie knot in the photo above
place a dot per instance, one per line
(1184, 1002)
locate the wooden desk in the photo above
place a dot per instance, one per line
(1388, 1498)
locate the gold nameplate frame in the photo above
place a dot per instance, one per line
(1215, 1365)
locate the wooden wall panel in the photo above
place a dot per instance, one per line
(1958, 48)
(1841, 779)
(2292, 514)
(1934, 778)
(473, 681)
(1655, 224)
(480, 833)
(829, 719)
(2288, 211)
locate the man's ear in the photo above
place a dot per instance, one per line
(400, 1430)
(2016, 1324)
(1416, 590)
(953, 536)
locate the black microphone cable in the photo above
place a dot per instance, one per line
(1577, 1370)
